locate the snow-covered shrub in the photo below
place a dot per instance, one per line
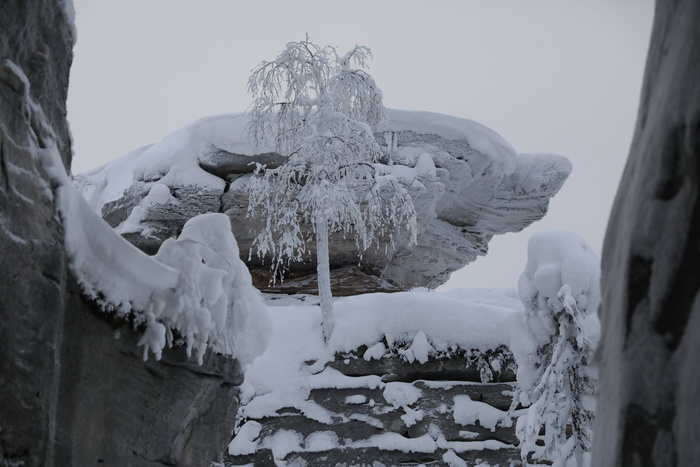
(559, 287)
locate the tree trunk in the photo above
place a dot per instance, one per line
(324, 276)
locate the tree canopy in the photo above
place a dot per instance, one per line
(321, 114)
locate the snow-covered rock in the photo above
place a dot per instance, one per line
(467, 183)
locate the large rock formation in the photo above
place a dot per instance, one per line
(648, 410)
(467, 183)
(73, 387)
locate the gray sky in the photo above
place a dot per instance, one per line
(559, 76)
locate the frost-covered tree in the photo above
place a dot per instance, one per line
(559, 286)
(320, 110)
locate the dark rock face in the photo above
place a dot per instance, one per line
(116, 409)
(70, 393)
(33, 36)
(648, 408)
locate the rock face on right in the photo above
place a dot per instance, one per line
(648, 408)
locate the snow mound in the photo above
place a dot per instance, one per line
(196, 285)
(467, 412)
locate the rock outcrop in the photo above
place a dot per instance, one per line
(648, 408)
(467, 183)
(71, 393)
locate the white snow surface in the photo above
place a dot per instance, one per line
(467, 412)
(195, 284)
(401, 394)
(246, 441)
(174, 161)
(558, 258)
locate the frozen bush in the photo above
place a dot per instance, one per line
(559, 287)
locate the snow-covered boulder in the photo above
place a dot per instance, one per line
(467, 183)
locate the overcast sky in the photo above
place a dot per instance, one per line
(558, 76)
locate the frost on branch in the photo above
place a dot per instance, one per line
(320, 114)
(559, 287)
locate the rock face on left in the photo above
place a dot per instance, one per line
(73, 388)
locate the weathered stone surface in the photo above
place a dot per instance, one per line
(461, 203)
(345, 281)
(34, 37)
(648, 408)
(165, 222)
(70, 394)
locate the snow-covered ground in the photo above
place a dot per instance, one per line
(430, 321)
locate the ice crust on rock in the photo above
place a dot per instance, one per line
(466, 181)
